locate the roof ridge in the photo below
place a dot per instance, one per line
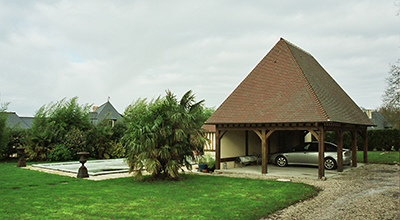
(295, 46)
(305, 78)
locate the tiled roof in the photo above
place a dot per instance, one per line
(380, 121)
(288, 86)
(209, 128)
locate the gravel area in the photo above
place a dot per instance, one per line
(367, 192)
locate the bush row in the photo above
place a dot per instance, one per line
(59, 131)
(102, 142)
(381, 140)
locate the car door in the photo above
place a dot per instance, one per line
(311, 155)
(296, 156)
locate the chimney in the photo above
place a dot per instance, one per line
(369, 113)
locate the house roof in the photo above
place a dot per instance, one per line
(288, 86)
(106, 110)
(14, 120)
(380, 121)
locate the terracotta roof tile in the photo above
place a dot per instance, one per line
(288, 85)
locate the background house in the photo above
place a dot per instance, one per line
(378, 119)
(104, 111)
(15, 120)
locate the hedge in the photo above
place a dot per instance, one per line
(381, 140)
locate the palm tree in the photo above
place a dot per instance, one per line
(163, 134)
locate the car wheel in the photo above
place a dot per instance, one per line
(281, 161)
(330, 164)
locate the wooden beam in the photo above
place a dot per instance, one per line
(217, 149)
(365, 148)
(269, 134)
(339, 141)
(263, 135)
(227, 159)
(313, 133)
(247, 142)
(221, 134)
(264, 150)
(258, 133)
(283, 128)
(353, 148)
(321, 149)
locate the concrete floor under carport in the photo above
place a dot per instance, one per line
(284, 172)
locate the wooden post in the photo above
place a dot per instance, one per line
(263, 135)
(247, 142)
(264, 150)
(354, 148)
(365, 137)
(217, 150)
(321, 151)
(339, 140)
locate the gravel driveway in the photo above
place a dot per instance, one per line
(367, 192)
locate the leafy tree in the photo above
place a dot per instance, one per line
(392, 93)
(42, 135)
(63, 124)
(163, 134)
(3, 131)
(69, 114)
(392, 114)
(391, 98)
(207, 112)
(104, 140)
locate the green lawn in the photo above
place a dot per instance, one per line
(379, 157)
(27, 194)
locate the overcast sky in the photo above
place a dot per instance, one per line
(130, 49)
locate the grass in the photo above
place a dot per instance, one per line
(27, 194)
(387, 157)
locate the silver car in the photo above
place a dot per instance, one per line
(307, 154)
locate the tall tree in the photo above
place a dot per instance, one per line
(59, 129)
(392, 93)
(207, 112)
(163, 134)
(391, 98)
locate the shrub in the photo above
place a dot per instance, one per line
(36, 152)
(384, 140)
(100, 139)
(60, 153)
(75, 141)
(114, 150)
(63, 123)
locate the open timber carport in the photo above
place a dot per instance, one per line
(290, 94)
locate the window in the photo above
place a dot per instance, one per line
(313, 147)
(330, 148)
